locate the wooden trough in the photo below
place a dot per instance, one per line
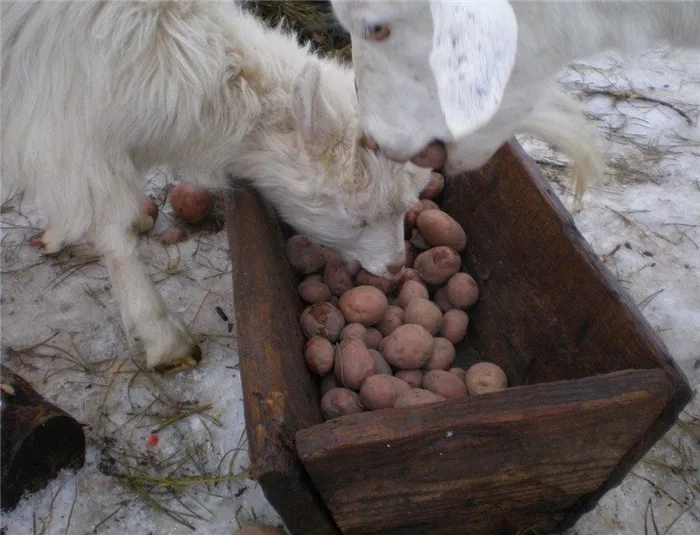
(595, 387)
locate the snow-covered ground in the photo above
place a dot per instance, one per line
(61, 330)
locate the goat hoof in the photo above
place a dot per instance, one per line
(188, 362)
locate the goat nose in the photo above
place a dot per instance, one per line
(395, 269)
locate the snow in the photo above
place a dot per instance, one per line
(644, 216)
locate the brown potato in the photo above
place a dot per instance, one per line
(429, 205)
(381, 391)
(418, 241)
(416, 396)
(353, 330)
(381, 366)
(363, 304)
(438, 264)
(322, 319)
(339, 402)
(485, 377)
(372, 338)
(329, 382)
(174, 235)
(313, 290)
(304, 255)
(413, 377)
(319, 354)
(444, 383)
(260, 530)
(454, 325)
(337, 277)
(422, 311)
(411, 254)
(459, 372)
(391, 320)
(409, 347)
(147, 215)
(462, 290)
(365, 278)
(438, 228)
(409, 221)
(442, 300)
(191, 203)
(443, 355)
(353, 363)
(434, 187)
(410, 291)
(410, 274)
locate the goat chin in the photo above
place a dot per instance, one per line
(94, 94)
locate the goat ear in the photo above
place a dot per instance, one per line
(314, 118)
(474, 48)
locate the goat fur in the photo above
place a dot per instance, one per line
(95, 94)
(473, 74)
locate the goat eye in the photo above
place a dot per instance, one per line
(378, 32)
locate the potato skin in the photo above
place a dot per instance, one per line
(454, 325)
(363, 304)
(392, 319)
(381, 391)
(322, 319)
(443, 355)
(410, 274)
(444, 384)
(353, 363)
(415, 397)
(442, 300)
(372, 338)
(313, 290)
(462, 290)
(411, 254)
(353, 330)
(418, 241)
(365, 278)
(337, 277)
(304, 255)
(439, 228)
(410, 291)
(329, 382)
(409, 221)
(459, 372)
(339, 402)
(191, 203)
(319, 355)
(485, 377)
(434, 187)
(413, 377)
(429, 205)
(422, 311)
(437, 265)
(381, 366)
(409, 347)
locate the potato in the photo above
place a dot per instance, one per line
(454, 325)
(413, 377)
(381, 391)
(260, 530)
(462, 290)
(409, 220)
(322, 319)
(434, 187)
(353, 363)
(329, 382)
(416, 396)
(381, 366)
(418, 241)
(191, 203)
(422, 311)
(148, 215)
(411, 254)
(459, 372)
(174, 235)
(337, 277)
(443, 355)
(444, 384)
(304, 255)
(363, 304)
(319, 354)
(313, 290)
(442, 300)
(410, 291)
(429, 205)
(437, 265)
(365, 278)
(410, 274)
(372, 338)
(353, 330)
(339, 402)
(409, 347)
(485, 377)
(392, 319)
(438, 228)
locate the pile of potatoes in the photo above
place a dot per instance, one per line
(380, 343)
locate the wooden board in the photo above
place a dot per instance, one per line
(279, 394)
(470, 464)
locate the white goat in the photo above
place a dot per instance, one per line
(94, 94)
(471, 74)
